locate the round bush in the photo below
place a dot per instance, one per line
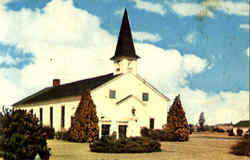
(108, 144)
(242, 148)
(22, 137)
(50, 132)
(231, 132)
(239, 132)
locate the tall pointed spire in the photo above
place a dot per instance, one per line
(125, 46)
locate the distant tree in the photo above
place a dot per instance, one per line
(202, 121)
(84, 125)
(177, 126)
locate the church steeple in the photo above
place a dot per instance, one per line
(125, 56)
(125, 46)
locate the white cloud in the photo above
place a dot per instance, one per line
(167, 68)
(237, 8)
(190, 38)
(59, 38)
(191, 9)
(145, 36)
(69, 43)
(223, 107)
(119, 12)
(204, 9)
(9, 60)
(245, 26)
(150, 7)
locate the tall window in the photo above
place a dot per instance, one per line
(51, 117)
(145, 96)
(112, 94)
(105, 129)
(63, 117)
(151, 123)
(41, 116)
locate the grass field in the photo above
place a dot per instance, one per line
(200, 147)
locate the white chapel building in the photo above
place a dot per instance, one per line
(124, 101)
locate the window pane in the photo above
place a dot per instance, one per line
(111, 94)
(145, 96)
(63, 117)
(51, 117)
(151, 123)
(41, 116)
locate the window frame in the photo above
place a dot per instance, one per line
(51, 116)
(63, 116)
(151, 123)
(112, 94)
(145, 96)
(41, 116)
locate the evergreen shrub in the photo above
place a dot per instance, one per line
(177, 127)
(231, 132)
(84, 124)
(155, 134)
(239, 132)
(242, 148)
(50, 132)
(23, 137)
(109, 144)
(62, 135)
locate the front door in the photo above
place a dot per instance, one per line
(105, 129)
(122, 131)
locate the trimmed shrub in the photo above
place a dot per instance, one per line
(62, 135)
(23, 137)
(84, 124)
(220, 130)
(242, 147)
(231, 132)
(247, 134)
(109, 144)
(191, 128)
(155, 134)
(239, 132)
(177, 127)
(50, 132)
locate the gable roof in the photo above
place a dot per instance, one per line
(152, 87)
(125, 46)
(243, 124)
(66, 90)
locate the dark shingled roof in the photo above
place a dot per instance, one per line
(243, 124)
(125, 46)
(66, 90)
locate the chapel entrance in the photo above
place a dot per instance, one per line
(122, 131)
(105, 129)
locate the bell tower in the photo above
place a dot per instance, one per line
(125, 58)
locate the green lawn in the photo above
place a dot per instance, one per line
(195, 149)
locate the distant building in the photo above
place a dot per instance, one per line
(224, 126)
(125, 101)
(244, 125)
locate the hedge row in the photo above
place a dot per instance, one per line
(155, 134)
(109, 144)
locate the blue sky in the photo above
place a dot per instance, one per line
(197, 48)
